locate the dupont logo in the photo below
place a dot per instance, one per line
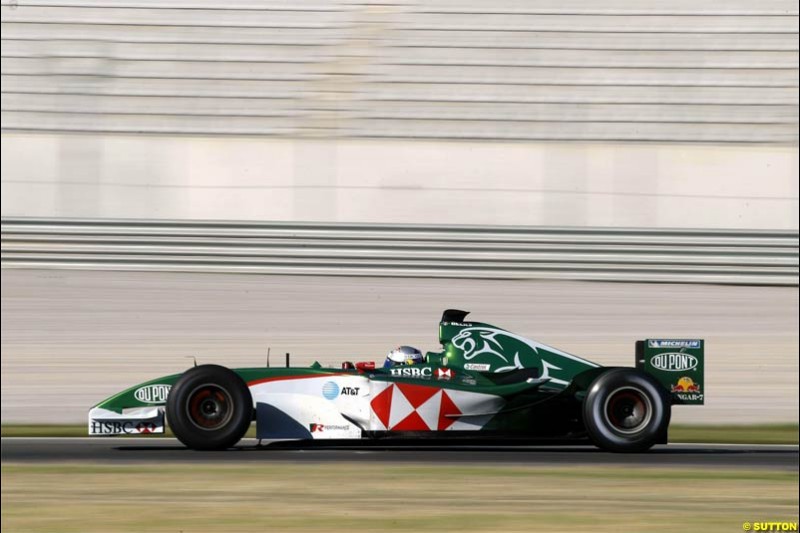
(152, 393)
(674, 362)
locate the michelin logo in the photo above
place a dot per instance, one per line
(668, 343)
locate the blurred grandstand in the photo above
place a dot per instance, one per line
(541, 112)
(706, 71)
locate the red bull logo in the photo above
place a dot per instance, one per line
(686, 384)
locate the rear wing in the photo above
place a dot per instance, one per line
(677, 364)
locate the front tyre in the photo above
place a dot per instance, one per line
(626, 411)
(209, 408)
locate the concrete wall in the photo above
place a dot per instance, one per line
(350, 180)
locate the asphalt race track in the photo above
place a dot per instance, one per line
(143, 450)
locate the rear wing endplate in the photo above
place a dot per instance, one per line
(677, 364)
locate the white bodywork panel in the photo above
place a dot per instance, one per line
(334, 406)
(398, 406)
(340, 406)
(132, 421)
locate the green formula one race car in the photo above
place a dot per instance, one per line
(486, 381)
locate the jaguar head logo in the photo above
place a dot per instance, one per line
(479, 341)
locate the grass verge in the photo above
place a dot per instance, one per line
(729, 434)
(381, 497)
(755, 434)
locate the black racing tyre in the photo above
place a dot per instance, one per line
(209, 408)
(626, 410)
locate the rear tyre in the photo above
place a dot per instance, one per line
(209, 408)
(626, 411)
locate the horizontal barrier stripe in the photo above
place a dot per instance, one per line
(618, 254)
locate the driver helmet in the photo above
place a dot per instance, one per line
(403, 355)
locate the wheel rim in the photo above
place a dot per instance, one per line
(628, 410)
(209, 407)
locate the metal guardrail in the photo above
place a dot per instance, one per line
(613, 254)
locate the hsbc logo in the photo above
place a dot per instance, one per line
(412, 372)
(123, 427)
(444, 373)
